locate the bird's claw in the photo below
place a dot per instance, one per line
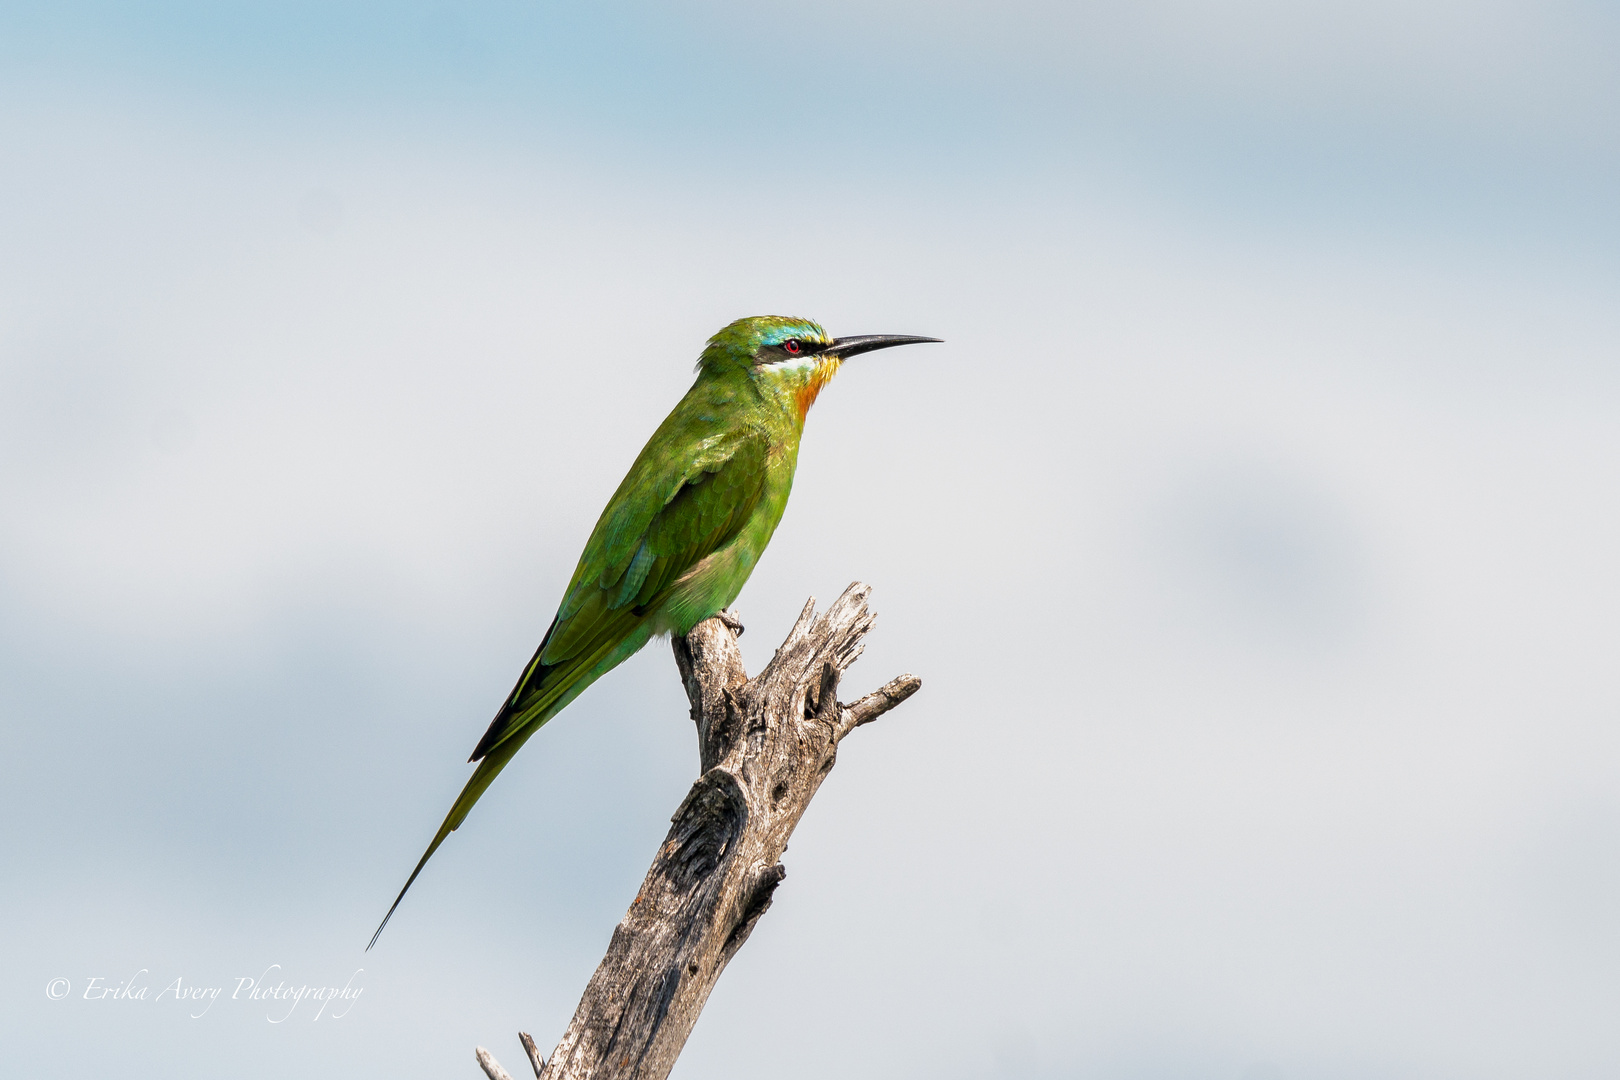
(730, 619)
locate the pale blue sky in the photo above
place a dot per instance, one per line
(1253, 532)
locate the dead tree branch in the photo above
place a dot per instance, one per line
(764, 744)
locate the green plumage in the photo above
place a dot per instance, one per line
(681, 534)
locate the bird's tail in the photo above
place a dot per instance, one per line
(517, 721)
(482, 777)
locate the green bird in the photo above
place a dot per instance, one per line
(683, 531)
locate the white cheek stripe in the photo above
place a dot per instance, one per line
(798, 364)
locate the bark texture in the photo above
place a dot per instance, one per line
(764, 745)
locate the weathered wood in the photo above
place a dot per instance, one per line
(491, 1067)
(764, 745)
(536, 1062)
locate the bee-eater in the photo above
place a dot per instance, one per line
(683, 531)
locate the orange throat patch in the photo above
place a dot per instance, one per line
(820, 376)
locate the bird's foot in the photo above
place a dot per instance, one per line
(731, 619)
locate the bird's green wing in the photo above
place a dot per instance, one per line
(660, 524)
(638, 552)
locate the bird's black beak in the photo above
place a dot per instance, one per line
(846, 347)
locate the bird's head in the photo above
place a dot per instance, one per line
(793, 357)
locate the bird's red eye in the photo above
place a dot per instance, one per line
(791, 347)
